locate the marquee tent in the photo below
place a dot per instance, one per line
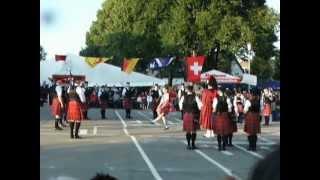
(221, 77)
(100, 75)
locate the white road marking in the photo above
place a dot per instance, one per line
(224, 169)
(265, 148)
(139, 122)
(83, 132)
(228, 153)
(250, 152)
(122, 121)
(153, 170)
(147, 160)
(156, 123)
(95, 130)
(178, 119)
(266, 140)
(171, 123)
(235, 142)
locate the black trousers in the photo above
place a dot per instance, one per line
(128, 113)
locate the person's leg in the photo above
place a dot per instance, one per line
(219, 142)
(188, 137)
(61, 123)
(230, 139)
(224, 142)
(266, 120)
(71, 130)
(254, 142)
(193, 138)
(56, 123)
(103, 113)
(77, 130)
(250, 142)
(164, 122)
(129, 113)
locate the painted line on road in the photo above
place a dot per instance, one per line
(250, 152)
(139, 122)
(212, 161)
(95, 130)
(83, 132)
(145, 116)
(153, 170)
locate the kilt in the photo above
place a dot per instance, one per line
(74, 111)
(155, 104)
(233, 123)
(266, 110)
(127, 103)
(84, 106)
(222, 124)
(252, 123)
(56, 108)
(189, 123)
(103, 104)
(166, 108)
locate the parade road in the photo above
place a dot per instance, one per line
(136, 149)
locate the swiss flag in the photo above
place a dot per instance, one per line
(60, 57)
(194, 68)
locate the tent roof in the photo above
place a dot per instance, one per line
(221, 77)
(100, 75)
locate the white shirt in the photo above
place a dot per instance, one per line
(80, 91)
(124, 91)
(247, 105)
(149, 98)
(59, 90)
(215, 102)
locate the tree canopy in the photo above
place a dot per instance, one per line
(155, 28)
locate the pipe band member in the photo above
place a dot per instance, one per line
(75, 114)
(127, 94)
(190, 105)
(57, 105)
(252, 121)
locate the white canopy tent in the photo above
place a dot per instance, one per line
(221, 77)
(100, 75)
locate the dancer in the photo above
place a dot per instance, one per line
(238, 104)
(155, 94)
(266, 109)
(190, 103)
(206, 118)
(164, 107)
(74, 114)
(57, 105)
(222, 124)
(252, 122)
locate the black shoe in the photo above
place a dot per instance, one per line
(223, 148)
(219, 148)
(194, 147)
(188, 147)
(78, 137)
(72, 137)
(230, 144)
(58, 128)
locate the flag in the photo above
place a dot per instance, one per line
(60, 57)
(194, 68)
(93, 61)
(158, 63)
(129, 64)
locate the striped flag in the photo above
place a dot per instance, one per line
(158, 63)
(94, 61)
(129, 64)
(60, 57)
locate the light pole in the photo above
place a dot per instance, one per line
(249, 59)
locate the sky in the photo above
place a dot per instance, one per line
(64, 23)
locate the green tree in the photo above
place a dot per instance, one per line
(129, 28)
(43, 54)
(262, 69)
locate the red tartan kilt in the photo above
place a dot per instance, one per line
(165, 109)
(56, 108)
(74, 111)
(127, 103)
(155, 104)
(206, 118)
(267, 110)
(189, 123)
(252, 123)
(103, 104)
(222, 124)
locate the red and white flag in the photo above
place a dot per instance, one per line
(60, 57)
(194, 68)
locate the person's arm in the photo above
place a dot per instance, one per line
(199, 103)
(123, 92)
(181, 102)
(214, 104)
(59, 94)
(247, 105)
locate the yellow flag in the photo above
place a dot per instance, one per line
(93, 61)
(129, 64)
